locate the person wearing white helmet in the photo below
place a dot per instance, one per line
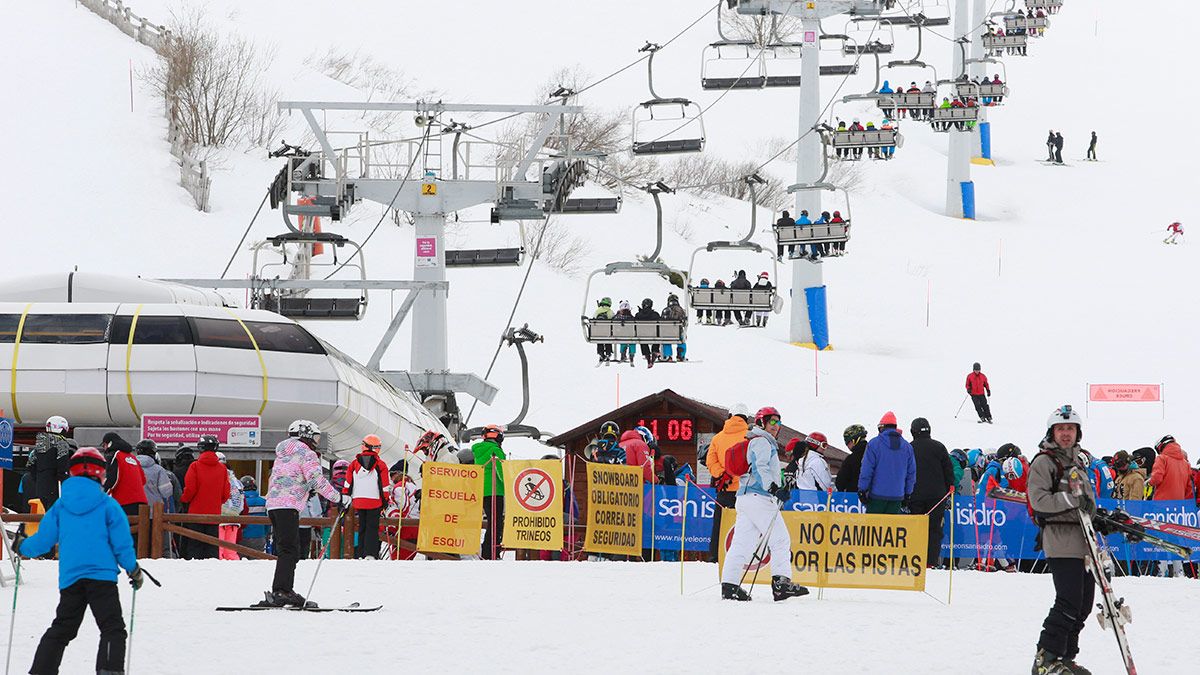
(49, 459)
(1058, 488)
(296, 472)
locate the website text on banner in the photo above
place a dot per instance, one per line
(701, 507)
(533, 517)
(614, 498)
(451, 508)
(989, 528)
(845, 550)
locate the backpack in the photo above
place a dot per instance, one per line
(1059, 470)
(737, 462)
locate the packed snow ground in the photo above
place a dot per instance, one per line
(594, 617)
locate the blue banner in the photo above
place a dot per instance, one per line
(990, 528)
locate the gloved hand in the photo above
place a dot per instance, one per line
(18, 538)
(781, 493)
(345, 503)
(136, 578)
(904, 506)
(862, 496)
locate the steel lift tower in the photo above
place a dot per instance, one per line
(809, 164)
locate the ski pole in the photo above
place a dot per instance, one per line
(12, 621)
(766, 543)
(132, 614)
(960, 405)
(324, 549)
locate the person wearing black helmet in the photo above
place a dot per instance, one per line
(674, 312)
(647, 313)
(205, 489)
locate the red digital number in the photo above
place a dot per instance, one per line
(673, 430)
(685, 428)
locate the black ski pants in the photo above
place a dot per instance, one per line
(368, 533)
(726, 499)
(285, 524)
(1074, 592)
(73, 600)
(605, 350)
(199, 550)
(920, 507)
(493, 512)
(981, 406)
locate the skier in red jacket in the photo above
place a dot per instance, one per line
(366, 479)
(206, 488)
(979, 390)
(125, 480)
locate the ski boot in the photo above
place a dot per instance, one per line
(734, 592)
(1046, 663)
(288, 599)
(783, 588)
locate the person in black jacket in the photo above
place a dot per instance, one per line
(647, 313)
(48, 462)
(935, 476)
(855, 436)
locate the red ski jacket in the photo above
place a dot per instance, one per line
(365, 490)
(130, 486)
(206, 486)
(977, 384)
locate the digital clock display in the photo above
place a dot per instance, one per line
(670, 429)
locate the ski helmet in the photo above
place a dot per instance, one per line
(1145, 458)
(1013, 468)
(221, 457)
(57, 425)
(304, 429)
(248, 483)
(1163, 443)
(371, 442)
(740, 410)
(606, 302)
(493, 432)
(854, 433)
(645, 433)
(976, 367)
(147, 447)
(609, 431)
(816, 441)
(959, 456)
(764, 275)
(87, 462)
(208, 444)
(647, 303)
(976, 458)
(1065, 415)
(1008, 450)
(764, 413)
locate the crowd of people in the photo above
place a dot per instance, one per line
(873, 152)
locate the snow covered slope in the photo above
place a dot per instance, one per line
(616, 617)
(1061, 282)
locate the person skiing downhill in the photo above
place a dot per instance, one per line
(1058, 488)
(759, 497)
(979, 390)
(92, 534)
(296, 471)
(1174, 232)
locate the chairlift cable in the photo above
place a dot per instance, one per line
(245, 234)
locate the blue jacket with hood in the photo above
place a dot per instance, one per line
(762, 454)
(92, 533)
(889, 468)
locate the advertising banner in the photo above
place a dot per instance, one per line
(614, 498)
(451, 508)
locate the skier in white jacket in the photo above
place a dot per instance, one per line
(759, 497)
(808, 469)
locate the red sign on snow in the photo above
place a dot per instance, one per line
(235, 430)
(1125, 392)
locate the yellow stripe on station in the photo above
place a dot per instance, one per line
(16, 350)
(129, 359)
(261, 361)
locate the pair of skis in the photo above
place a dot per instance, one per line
(1114, 613)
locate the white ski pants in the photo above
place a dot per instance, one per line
(755, 515)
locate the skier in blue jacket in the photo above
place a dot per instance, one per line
(92, 534)
(889, 470)
(760, 495)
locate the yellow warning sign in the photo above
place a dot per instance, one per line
(429, 188)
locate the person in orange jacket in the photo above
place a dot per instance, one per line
(979, 390)
(366, 481)
(732, 433)
(1172, 476)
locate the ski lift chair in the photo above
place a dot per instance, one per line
(729, 64)
(781, 61)
(1000, 43)
(958, 119)
(632, 331)
(1033, 25)
(875, 139)
(1051, 6)
(816, 233)
(679, 116)
(299, 304)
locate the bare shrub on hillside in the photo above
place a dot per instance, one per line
(214, 86)
(763, 30)
(559, 248)
(376, 80)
